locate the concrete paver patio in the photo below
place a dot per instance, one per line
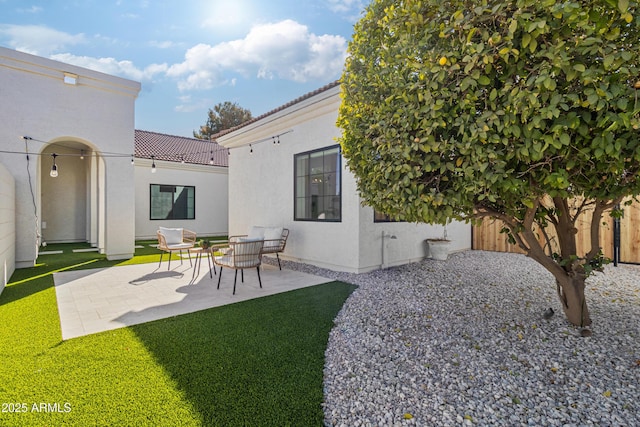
(91, 301)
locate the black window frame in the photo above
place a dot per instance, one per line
(186, 218)
(387, 217)
(338, 173)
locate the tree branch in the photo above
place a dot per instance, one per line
(511, 223)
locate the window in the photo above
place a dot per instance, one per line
(173, 202)
(382, 217)
(317, 186)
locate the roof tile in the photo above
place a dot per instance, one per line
(178, 148)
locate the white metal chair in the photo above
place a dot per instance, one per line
(242, 253)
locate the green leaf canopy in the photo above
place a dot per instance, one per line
(455, 107)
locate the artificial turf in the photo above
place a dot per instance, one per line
(253, 363)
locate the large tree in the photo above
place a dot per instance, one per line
(520, 110)
(224, 115)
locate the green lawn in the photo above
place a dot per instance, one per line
(257, 362)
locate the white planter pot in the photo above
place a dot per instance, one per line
(438, 249)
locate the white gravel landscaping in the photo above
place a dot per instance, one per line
(464, 342)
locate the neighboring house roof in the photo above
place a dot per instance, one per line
(282, 107)
(178, 148)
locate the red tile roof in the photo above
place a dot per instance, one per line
(282, 107)
(178, 148)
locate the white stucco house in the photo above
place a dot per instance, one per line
(286, 170)
(188, 187)
(67, 144)
(7, 226)
(78, 124)
(86, 119)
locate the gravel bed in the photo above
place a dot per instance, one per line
(464, 342)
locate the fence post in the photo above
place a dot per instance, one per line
(616, 239)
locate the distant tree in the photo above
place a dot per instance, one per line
(223, 116)
(522, 110)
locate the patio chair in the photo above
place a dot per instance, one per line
(275, 239)
(242, 253)
(175, 240)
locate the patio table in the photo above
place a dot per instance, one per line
(198, 252)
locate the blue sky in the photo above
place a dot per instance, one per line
(190, 55)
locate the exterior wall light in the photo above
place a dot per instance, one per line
(70, 79)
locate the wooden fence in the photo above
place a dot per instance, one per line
(487, 236)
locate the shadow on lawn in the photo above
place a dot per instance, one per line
(257, 362)
(26, 283)
(29, 281)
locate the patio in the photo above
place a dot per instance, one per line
(91, 301)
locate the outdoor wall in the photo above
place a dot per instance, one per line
(261, 193)
(64, 198)
(409, 243)
(7, 226)
(261, 184)
(52, 102)
(211, 194)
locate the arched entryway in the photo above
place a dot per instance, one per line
(70, 197)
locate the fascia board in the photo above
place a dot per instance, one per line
(323, 103)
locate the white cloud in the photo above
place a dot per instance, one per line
(32, 9)
(351, 9)
(44, 41)
(112, 66)
(284, 50)
(343, 5)
(38, 40)
(188, 105)
(163, 44)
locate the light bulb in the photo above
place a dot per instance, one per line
(54, 167)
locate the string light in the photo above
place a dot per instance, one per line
(54, 167)
(181, 157)
(275, 139)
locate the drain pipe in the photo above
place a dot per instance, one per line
(385, 236)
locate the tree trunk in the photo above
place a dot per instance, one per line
(574, 304)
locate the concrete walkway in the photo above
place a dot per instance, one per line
(91, 301)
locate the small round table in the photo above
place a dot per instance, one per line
(198, 252)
